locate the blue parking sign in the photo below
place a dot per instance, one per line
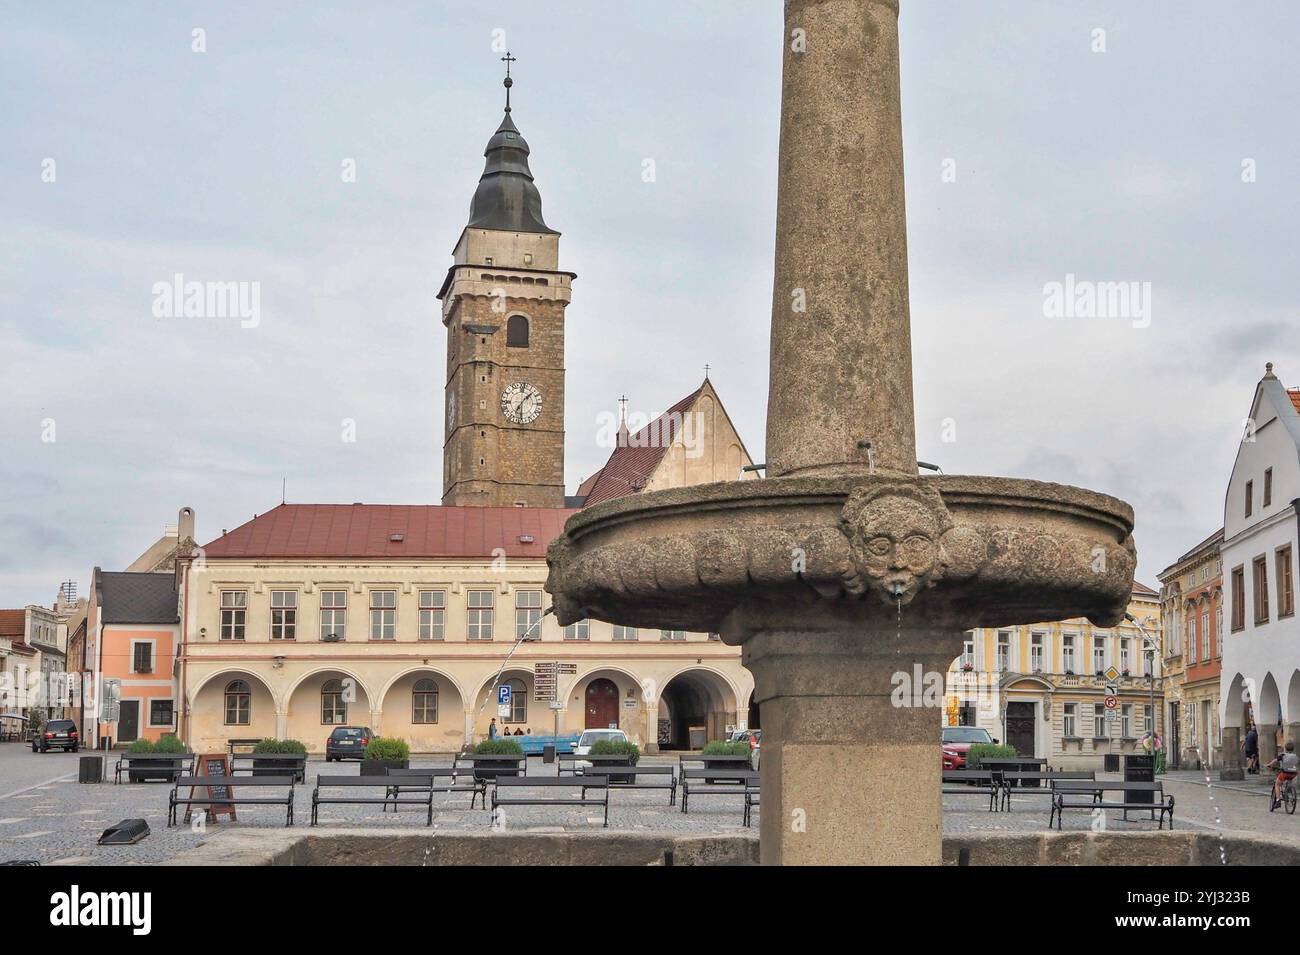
(503, 694)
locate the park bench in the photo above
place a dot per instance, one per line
(707, 782)
(568, 762)
(1092, 796)
(719, 765)
(751, 800)
(513, 796)
(425, 779)
(617, 777)
(1037, 779)
(969, 782)
(236, 793)
(159, 767)
(387, 798)
(271, 764)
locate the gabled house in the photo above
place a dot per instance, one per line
(1260, 679)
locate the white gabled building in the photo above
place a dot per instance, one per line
(1261, 652)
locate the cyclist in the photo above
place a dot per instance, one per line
(1287, 765)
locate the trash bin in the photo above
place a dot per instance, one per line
(90, 769)
(548, 753)
(1140, 769)
(1110, 762)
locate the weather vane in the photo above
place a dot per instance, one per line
(507, 60)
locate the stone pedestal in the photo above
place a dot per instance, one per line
(851, 743)
(1233, 765)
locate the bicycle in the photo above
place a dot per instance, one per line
(1287, 797)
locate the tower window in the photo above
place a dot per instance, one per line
(517, 331)
(528, 258)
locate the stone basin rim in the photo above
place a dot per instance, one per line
(958, 491)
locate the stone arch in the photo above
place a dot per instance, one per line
(695, 698)
(399, 719)
(303, 712)
(1235, 703)
(1292, 712)
(537, 717)
(206, 730)
(629, 687)
(1268, 717)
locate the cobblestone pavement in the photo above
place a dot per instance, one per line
(47, 816)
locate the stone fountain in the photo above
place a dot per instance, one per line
(845, 567)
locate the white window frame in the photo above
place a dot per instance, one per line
(153, 655)
(383, 615)
(624, 634)
(578, 631)
(672, 635)
(479, 618)
(288, 622)
(1037, 651)
(528, 614)
(1070, 721)
(336, 612)
(1068, 648)
(433, 614)
(238, 610)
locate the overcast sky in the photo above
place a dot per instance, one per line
(226, 165)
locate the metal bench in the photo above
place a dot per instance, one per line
(968, 782)
(1049, 776)
(233, 786)
(751, 800)
(615, 777)
(180, 764)
(461, 780)
(368, 782)
(511, 785)
(572, 769)
(708, 782)
(1092, 796)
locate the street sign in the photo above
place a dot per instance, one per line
(1112, 689)
(503, 694)
(1111, 702)
(1112, 674)
(503, 711)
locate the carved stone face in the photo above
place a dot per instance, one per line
(895, 542)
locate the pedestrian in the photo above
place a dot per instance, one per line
(1250, 746)
(492, 728)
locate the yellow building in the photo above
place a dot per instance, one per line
(1042, 688)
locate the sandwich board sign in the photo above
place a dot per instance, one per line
(214, 764)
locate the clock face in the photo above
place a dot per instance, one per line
(521, 403)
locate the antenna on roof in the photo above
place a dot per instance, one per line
(283, 484)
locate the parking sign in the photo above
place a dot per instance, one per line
(503, 694)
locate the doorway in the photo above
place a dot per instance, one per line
(1173, 745)
(1020, 728)
(602, 705)
(128, 721)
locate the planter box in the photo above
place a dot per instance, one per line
(724, 764)
(159, 770)
(267, 764)
(380, 767)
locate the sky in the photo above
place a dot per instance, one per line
(1111, 142)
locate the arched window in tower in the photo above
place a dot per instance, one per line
(238, 703)
(517, 331)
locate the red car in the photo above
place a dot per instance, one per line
(957, 741)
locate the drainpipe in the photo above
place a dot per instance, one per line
(182, 718)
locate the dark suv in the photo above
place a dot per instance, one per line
(348, 742)
(60, 733)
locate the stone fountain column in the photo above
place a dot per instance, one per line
(846, 577)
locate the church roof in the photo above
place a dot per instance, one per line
(506, 199)
(393, 531)
(636, 457)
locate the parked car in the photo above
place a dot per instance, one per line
(57, 733)
(755, 740)
(957, 741)
(348, 742)
(588, 739)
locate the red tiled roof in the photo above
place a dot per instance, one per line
(13, 623)
(365, 530)
(1144, 590)
(630, 465)
(25, 648)
(585, 487)
(1295, 398)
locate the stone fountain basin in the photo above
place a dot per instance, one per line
(947, 550)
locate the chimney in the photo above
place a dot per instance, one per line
(185, 524)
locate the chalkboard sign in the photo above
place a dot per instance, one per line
(215, 764)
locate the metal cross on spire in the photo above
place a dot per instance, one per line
(507, 60)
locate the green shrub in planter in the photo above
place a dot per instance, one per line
(498, 747)
(980, 751)
(718, 748)
(388, 748)
(142, 746)
(616, 747)
(277, 747)
(169, 743)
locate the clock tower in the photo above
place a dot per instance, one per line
(503, 303)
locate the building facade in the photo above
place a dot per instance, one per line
(1260, 679)
(1042, 688)
(1191, 598)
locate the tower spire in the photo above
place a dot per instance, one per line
(508, 82)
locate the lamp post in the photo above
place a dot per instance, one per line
(1149, 646)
